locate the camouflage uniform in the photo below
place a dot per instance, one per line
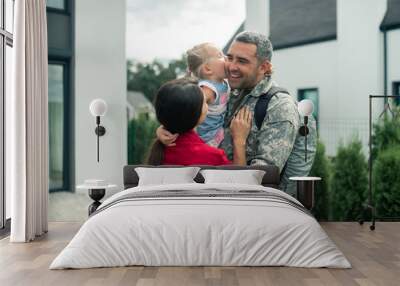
(278, 141)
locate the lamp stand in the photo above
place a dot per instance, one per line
(100, 131)
(304, 132)
(370, 205)
(305, 142)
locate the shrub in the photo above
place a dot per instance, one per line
(141, 133)
(386, 133)
(386, 182)
(321, 168)
(385, 157)
(349, 182)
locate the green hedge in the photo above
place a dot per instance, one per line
(349, 182)
(386, 160)
(321, 168)
(386, 133)
(386, 182)
(141, 133)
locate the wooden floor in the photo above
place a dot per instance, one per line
(374, 255)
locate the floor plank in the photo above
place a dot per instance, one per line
(374, 255)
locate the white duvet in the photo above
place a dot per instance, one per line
(185, 231)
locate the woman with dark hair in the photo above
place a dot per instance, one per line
(180, 106)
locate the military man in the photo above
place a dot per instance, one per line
(277, 141)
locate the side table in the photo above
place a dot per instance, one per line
(96, 190)
(305, 190)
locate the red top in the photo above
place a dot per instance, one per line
(191, 150)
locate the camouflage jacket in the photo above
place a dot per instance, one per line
(278, 141)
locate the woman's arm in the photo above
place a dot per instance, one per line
(240, 129)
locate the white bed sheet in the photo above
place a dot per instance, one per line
(200, 231)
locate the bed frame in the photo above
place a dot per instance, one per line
(270, 179)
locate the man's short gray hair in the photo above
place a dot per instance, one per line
(264, 46)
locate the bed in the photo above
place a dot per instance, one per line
(201, 224)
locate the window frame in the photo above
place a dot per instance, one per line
(65, 10)
(6, 39)
(66, 57)
(66, 122)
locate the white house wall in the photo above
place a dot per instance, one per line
(393, 56)
(345, 70)
(100, 72)
(312, 66)
(259, 20)
(360, 60)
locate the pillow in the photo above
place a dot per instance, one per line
(248, 177)
(163, 176)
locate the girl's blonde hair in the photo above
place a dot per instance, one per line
(196, 57)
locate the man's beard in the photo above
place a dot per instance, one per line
(248, 82)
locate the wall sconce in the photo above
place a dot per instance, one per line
(98, 107)
(306, 108)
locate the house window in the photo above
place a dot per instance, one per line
(6, 44)
(396, 91)
(312, 94)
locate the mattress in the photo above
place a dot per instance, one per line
(201, 225)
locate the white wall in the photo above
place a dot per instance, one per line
(100, 72)
(393, 57)
(360, 54)
(345, 70)
(312, 66)
(257, 16)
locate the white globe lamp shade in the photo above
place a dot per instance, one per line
(98, 107)
(305, 107)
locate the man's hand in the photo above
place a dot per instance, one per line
(166, 137)
(241, 125)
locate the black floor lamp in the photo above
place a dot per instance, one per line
(370, 205)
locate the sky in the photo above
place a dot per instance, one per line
(165, 29)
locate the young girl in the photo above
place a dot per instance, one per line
(181, 106)
(207, 64)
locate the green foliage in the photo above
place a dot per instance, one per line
(386, 132)
(349, 182)
(148, 78)
(321, 168)
(141, 132)
(386, 182)
(386, 160)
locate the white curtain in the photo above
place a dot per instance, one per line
(28, 123)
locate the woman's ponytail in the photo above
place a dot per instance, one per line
(178, 105)
(156, 154)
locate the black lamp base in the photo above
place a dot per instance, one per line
(96, 195)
